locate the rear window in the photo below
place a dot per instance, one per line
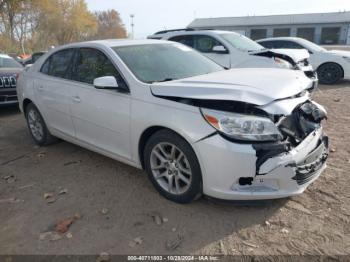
(58, 64)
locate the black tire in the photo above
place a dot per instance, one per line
(330, 73)
(194, 190)
(46, 138)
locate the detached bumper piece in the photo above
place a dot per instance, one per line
(306, 171)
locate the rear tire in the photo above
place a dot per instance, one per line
(37, 127)
(173, 167)
(330, 73)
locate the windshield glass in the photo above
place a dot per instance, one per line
(8, 62)
(241, 42)
(311, 46)
(164, 62)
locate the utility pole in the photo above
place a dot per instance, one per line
(132, 25)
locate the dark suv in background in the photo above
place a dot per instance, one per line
(9, 70)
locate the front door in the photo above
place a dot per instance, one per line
(101, 117)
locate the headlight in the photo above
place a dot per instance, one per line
(242, 127)
(283, 63)
(347, 59)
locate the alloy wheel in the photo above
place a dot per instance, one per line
(35, 124)
(170, 168)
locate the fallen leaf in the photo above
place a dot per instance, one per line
(173, 229)
(299, 207)
(333, 150)
(63, 191)
(52, 236)
(48, 195)
(136, 241)
(26, 186)
(11, 200)
(62, 226)
(174, 244)
(10, 179)
(72, 163)
(157, 218)
(336, 99)
(69, 235)
(165, 219)
(285, 231)
(104, 211)
(41, 154)
(249, 244)
(103, 257)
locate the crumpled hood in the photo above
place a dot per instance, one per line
(250, 85)
(340, 52)
(297, 55)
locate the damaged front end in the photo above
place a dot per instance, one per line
(297, 158)
(281, 166)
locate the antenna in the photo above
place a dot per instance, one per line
(132, 25)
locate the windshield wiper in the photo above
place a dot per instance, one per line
(164, 80)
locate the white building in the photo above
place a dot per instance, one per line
(321, 28)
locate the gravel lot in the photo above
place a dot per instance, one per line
(115, 209)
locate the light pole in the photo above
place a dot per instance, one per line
(132, 26)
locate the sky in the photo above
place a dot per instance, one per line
(155, 15)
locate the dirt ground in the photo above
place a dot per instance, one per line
(119, 212)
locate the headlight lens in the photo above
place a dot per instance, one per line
(283, 63)
(242, 127)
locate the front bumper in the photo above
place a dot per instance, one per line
(224, 163)
(8, 97)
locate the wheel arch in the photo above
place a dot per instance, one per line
(25, 103)
(146, 134)
(330, 62)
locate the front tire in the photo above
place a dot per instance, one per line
(173, 167)
(330, 73)
(37, 127)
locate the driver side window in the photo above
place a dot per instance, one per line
(91, 63)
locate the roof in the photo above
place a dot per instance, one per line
(171, 33)
(313, 18)
(111, 43)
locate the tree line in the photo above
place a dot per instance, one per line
(35, 25)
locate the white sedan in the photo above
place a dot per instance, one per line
(331, 66)
(195, 127)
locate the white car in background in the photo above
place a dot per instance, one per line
(331, 66)
(195, 127)
(233, 50)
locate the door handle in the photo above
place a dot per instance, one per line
(76, 99)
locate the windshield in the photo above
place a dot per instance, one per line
(241, 42)
(164, 62)
(311, 46)
(8, 62)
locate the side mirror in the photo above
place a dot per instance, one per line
(106, 82)
(310, 52)
(27, 66)
(220, 49)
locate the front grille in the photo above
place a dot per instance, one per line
(7, 81)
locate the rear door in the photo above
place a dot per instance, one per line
(101, 117)
(53, 91)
